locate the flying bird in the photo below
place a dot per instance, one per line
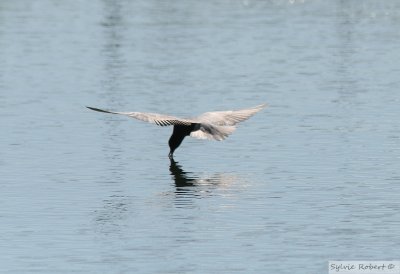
(216, 125)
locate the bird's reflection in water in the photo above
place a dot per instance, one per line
(189, 186)
(182, 178)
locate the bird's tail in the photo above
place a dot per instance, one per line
(212, 132)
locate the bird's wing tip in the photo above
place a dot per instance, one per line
(99, 110)
(92, 108)
(264, 105)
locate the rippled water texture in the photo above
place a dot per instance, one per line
(314, 177)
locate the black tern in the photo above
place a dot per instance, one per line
(215, 125)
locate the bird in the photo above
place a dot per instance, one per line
(214, 125)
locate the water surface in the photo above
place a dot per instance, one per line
(314, 177)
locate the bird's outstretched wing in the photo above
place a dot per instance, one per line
(230, 117)
(155, 118)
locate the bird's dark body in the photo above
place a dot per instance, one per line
(178, 134)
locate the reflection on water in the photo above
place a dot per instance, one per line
(114, 59)
(182, 178)
(189, 185)
(87, 195)
(345, 81)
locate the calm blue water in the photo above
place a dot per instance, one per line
(314, 177)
